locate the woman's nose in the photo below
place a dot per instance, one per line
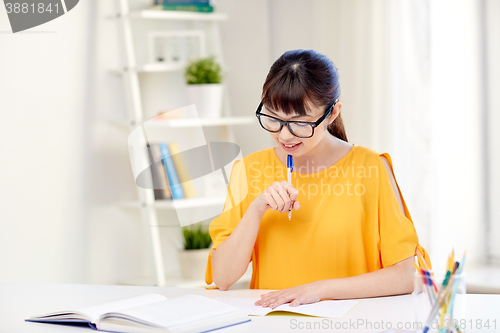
(285, 134)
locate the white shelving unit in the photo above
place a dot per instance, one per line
(186, 123)
(173, 15)
(156, 68)
(180, 203)
(130, 71)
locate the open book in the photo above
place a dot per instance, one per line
(151, 313)
(327, 308)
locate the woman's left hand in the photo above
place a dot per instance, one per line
(303, 294)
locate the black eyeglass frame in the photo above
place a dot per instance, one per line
(283, 122)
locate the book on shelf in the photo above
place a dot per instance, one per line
(172, 175)
(160, 180)
(201, 8)
(151, 313)
(182, 171)
(181, 2)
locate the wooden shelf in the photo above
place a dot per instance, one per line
(204, 122)
(186, 123)
(152, 68)
(179, 203)
(177, 15)
(158, 68)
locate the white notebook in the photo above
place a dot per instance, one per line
(327, 309)
(151, 313)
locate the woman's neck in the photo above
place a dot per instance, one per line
(325, 154)
(317, 156)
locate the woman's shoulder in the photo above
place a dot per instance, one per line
(370, 158)
(253, 160)
(367, 155)
(260, 155)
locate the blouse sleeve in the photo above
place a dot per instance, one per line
(234, 208)
(398, 237)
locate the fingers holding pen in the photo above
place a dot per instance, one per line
(288, 194)
(292, 193)
(282, 191)
(279, 196)
(274, 197)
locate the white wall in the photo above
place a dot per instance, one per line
(116, 247)
(63, 165)
(247, 52)
(43, 108)
(492, 57)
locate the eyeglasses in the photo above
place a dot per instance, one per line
(301, 129)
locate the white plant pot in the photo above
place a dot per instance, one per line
(207, 98)
(194, 263)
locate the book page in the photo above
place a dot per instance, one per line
(92, 313)
(95, 311)
(327, 309)
(246, 305)
(176, 311)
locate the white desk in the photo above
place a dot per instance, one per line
(20, 301)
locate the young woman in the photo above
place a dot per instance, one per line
(350, 234)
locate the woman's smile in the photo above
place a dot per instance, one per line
(290, 146)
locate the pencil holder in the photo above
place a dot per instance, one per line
(439, 302)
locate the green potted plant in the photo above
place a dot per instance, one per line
(193, 258)
(204, 86)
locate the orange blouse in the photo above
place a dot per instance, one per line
(350, 221)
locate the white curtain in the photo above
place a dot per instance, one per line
(491, 31)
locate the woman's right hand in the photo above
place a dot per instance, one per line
(280, 196)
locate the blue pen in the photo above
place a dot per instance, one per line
(430, 291)
(289, 167)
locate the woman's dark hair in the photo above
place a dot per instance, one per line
(299, 77)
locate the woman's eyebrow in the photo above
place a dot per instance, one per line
(306, 115)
